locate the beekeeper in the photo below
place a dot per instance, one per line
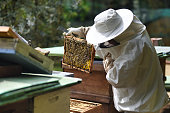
(129, 59)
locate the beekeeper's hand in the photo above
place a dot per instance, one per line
(108, 62)
(42, 51)
(78, 32)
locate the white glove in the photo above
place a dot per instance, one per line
(42, 51)
(78, 32)
(108, 62)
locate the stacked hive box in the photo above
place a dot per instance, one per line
(94, 87)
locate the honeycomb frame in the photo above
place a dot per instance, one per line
(78, 54)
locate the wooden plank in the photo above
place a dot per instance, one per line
(6, 31)
(91, 97)
(17, 52)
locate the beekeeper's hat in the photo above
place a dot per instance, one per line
(108, 25)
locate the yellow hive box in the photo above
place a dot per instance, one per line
(53, 102)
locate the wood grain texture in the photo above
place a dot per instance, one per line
(80, 106)
(6, 31)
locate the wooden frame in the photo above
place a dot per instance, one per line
(80, 106)
(78, 54)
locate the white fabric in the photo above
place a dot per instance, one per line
(108, 62)
(136, 76)
(108, 25)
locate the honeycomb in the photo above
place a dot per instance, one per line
(78, 54)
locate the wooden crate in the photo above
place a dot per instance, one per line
(80, 106)
(94, 87)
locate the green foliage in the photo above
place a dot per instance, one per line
(154, 4)
(44, 21)
(84, 10)
(41, 21)
(76, 11)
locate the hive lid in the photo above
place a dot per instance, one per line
(14, 51)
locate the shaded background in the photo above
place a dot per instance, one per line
(44, 21)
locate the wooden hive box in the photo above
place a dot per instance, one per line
(80, 106)
(32, 93)
(53, 102)
(94, 87)
(14, 51)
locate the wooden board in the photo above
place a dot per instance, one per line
(13, 50)
(6, 31)
(78, 54)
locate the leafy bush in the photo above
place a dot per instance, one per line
(41, 21)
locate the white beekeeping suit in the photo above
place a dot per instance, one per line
(132, 66)
(136, 74)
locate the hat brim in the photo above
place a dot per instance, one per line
(95, 37)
